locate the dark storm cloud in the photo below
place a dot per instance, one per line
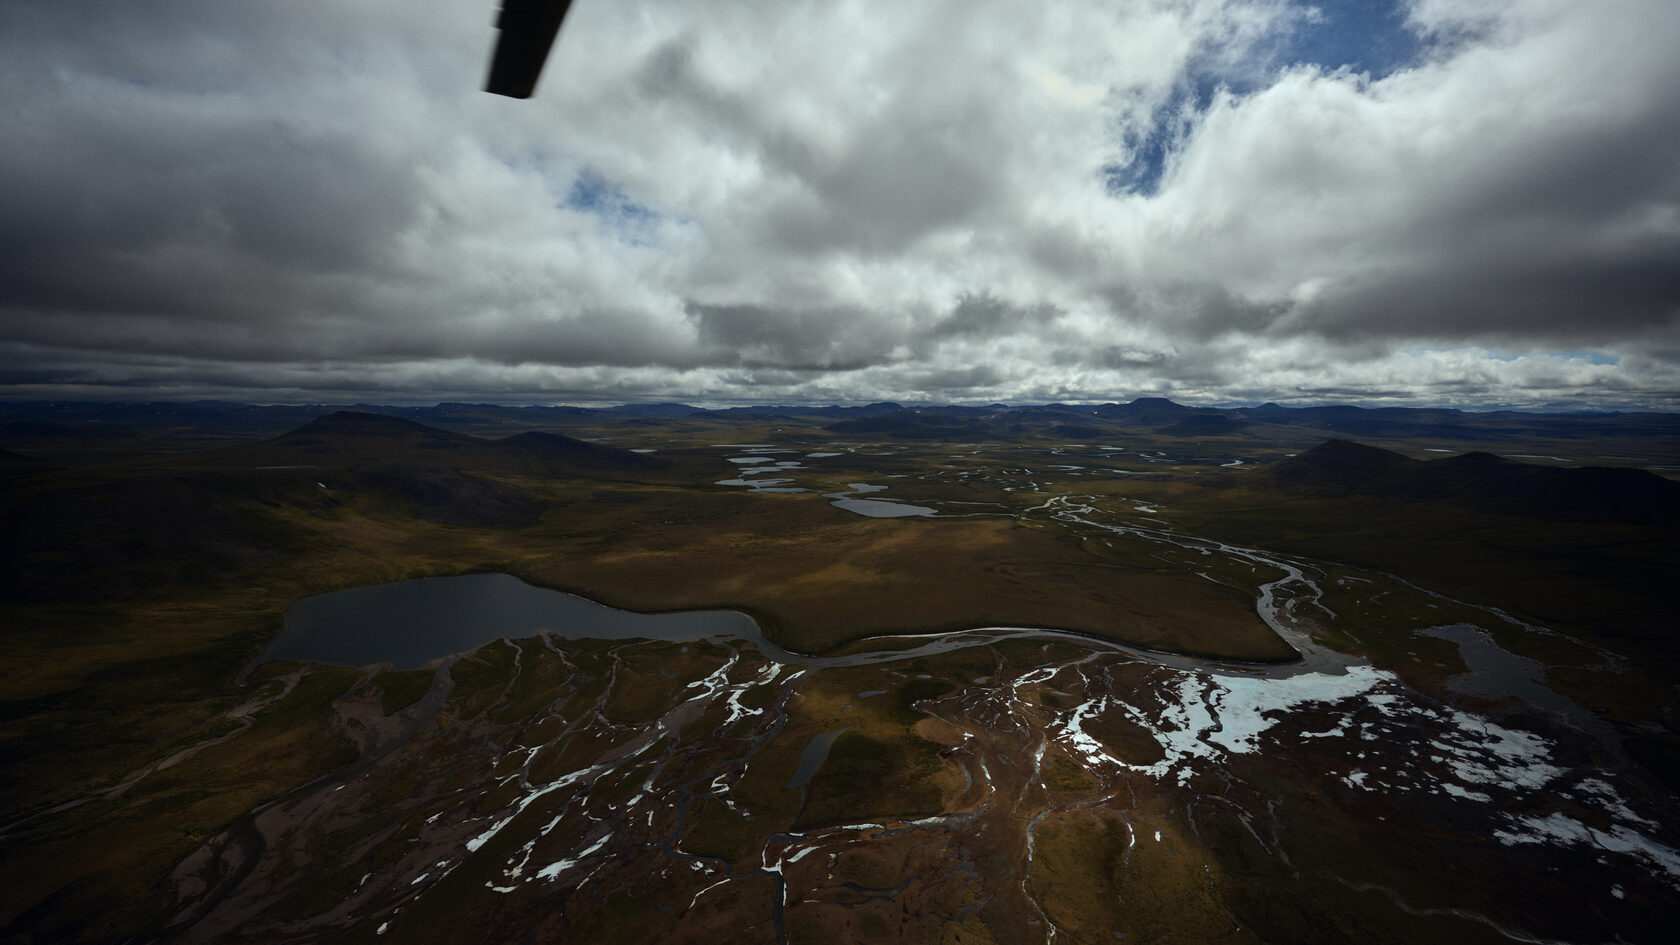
(963, 382)
(150, 204)
(1558, 302)
(1113, 356)
(986, 315)
(1200, 310)
(184, 222)
(813, 338)
(1565, 235)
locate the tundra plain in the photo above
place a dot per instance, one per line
(1171, 675)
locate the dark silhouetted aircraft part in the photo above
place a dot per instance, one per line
(528, 30)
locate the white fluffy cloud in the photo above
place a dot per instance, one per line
(773, 200)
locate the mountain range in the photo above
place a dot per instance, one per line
(20, 421)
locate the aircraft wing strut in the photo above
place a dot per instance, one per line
(528, 30)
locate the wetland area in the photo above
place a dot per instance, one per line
(689, 762)
(958, 692)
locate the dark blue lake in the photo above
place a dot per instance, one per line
(411, 623)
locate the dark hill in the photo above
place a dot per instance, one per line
(656, 410)
(353, 423)
(1149, 412)
(348, 438)
(1336, 467)
(71, 538)
(445, 495)
(362, 423)
(551, 451)
(1075, 431)
(1483, 482)
(433, 474)
(109, 533)
(1377, 421)
(1203, 425)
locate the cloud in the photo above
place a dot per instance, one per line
(1212, 199)
(809, 338)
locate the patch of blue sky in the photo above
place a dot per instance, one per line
(597, 196)
(1583, 354)
(1152, 152)
(1367, 37)
(1591, 357)
(1363, 36)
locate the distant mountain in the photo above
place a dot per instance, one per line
(805, 410)
(923, 423)
(1482, 482)
(349, 438)
(656, 410)
(355, 423)
(1061, 421)
(884, 406)
(186, 421)
(133, 417)
(1379, 421)
(1150, 412)
(1441, 423)
(436, 473)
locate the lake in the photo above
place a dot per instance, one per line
(874, 508)
(411, 623)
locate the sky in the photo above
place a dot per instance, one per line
(1469, 203)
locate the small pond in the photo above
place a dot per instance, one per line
(882, 508)
(874, 508)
